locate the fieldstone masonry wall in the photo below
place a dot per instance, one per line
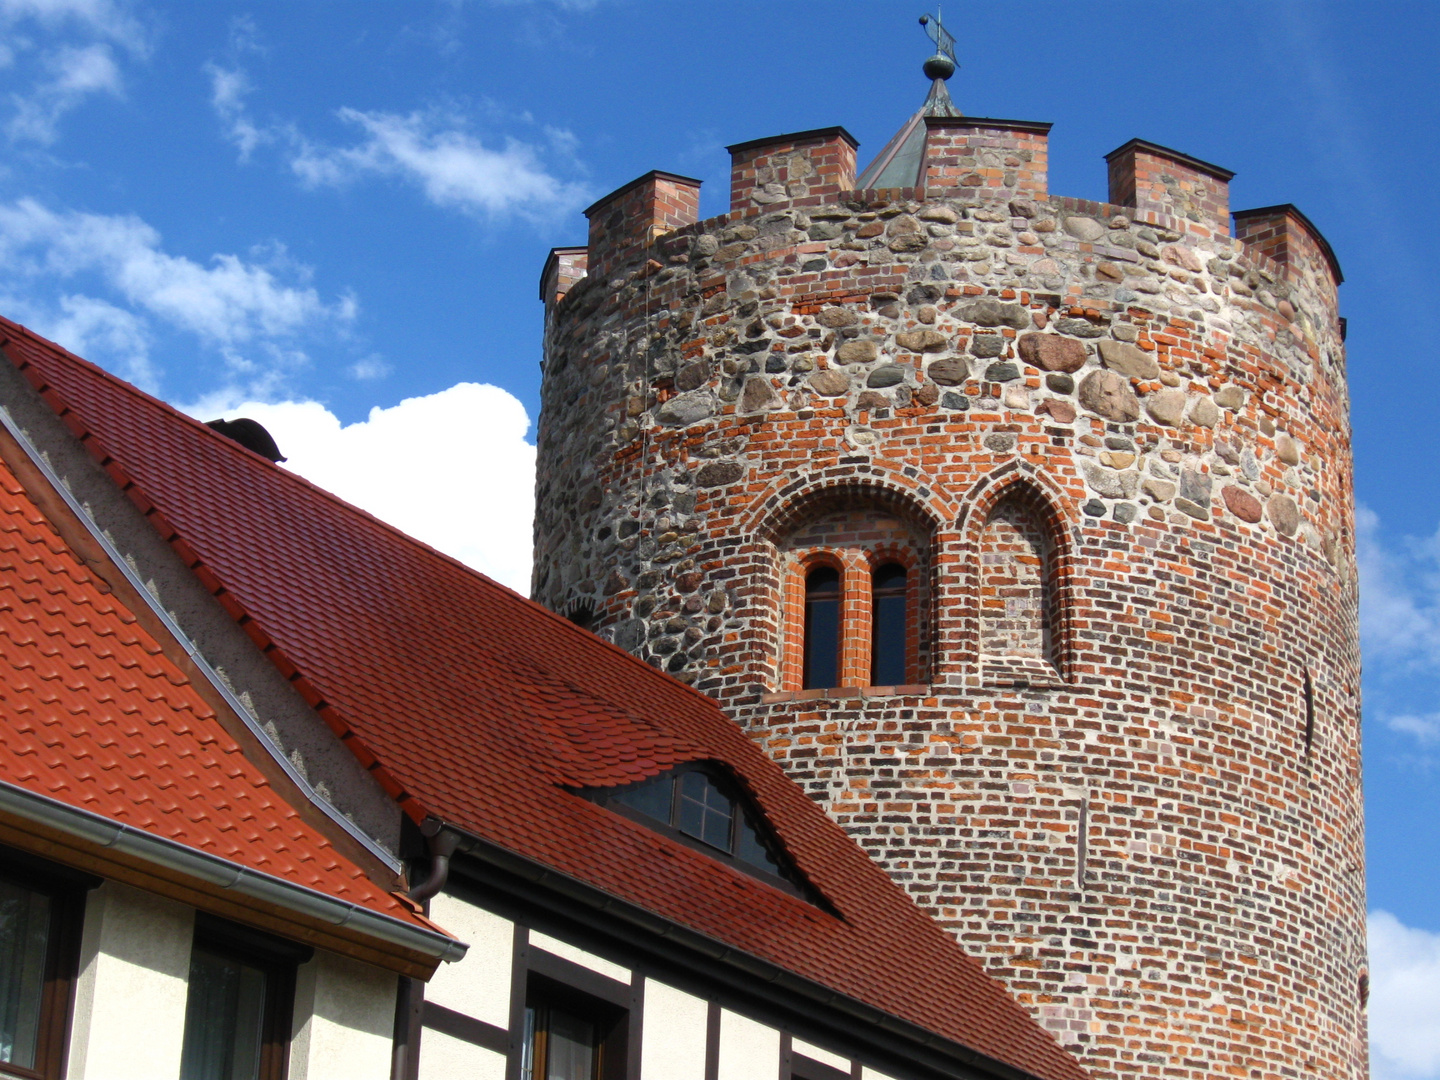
(1129, 828)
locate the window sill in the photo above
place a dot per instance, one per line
(846, 693)
(1013, 673)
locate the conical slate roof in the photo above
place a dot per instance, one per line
(898, 164)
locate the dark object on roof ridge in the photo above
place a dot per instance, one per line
(250, 434)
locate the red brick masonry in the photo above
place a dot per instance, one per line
(1115, 439)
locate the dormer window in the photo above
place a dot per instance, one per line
(704, 809)
(692, 803)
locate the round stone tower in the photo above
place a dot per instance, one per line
(1072, 480)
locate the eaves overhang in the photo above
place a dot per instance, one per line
(873, 1033)
(212, 871)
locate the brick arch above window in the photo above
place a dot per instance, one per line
(1004, 482)
(779, 512)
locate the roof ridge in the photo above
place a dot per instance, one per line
(294, 477)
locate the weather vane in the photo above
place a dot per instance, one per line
(943, 64)
(944, 41)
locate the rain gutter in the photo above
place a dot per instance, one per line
(181, 858)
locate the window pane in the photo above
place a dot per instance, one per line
(24, 934)
(748, 848)
(705, 812)
(224, 1017)
(652, 800)
(569, 1047)
(527, 1055)
(887, 613)
(822, 628)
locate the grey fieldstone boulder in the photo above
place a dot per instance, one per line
(951, 371)
(688, 408)
(1167, 407)
(1108, 395)
(1129, 360)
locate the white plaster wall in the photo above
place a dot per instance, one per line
(130, 997)
(478, 985)
(748, 1049)
(579, 956)
(868, 1073)
(816, 1053)
(344, 1020)
(444, 1058)
(673, 1033)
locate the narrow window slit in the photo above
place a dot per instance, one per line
(1082, 844)
(1309, 712)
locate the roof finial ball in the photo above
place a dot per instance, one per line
(942, 65)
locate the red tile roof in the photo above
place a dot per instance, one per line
(474, 705)
(94, 714)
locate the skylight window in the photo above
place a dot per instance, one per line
(704, 809)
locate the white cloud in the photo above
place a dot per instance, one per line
(373, 366)
(100, 18)
(432, 150)
(1425, 729)
(74, 74)
(228, 90)
(563, 5)
(453, 168)
(1399, 596)
(99, 331)
(230, 303)
(78, 62)
(1404, 1000)
(452, 469)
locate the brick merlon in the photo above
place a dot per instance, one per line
(1174, 155)
(1040, 127)
(653, 174)
(552, 262)
(1291, 210)
(813, 135)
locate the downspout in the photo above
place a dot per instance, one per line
(441, 842)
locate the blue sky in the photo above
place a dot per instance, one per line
(339, 213)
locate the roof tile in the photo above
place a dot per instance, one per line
(92, 713)
(481, 708)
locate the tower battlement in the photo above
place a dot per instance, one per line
(970, 159)
(1020, 529)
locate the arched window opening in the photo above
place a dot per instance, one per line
(822, 628)
(854, 601)
(889, 621)
(582, 614)
(1018, 602)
